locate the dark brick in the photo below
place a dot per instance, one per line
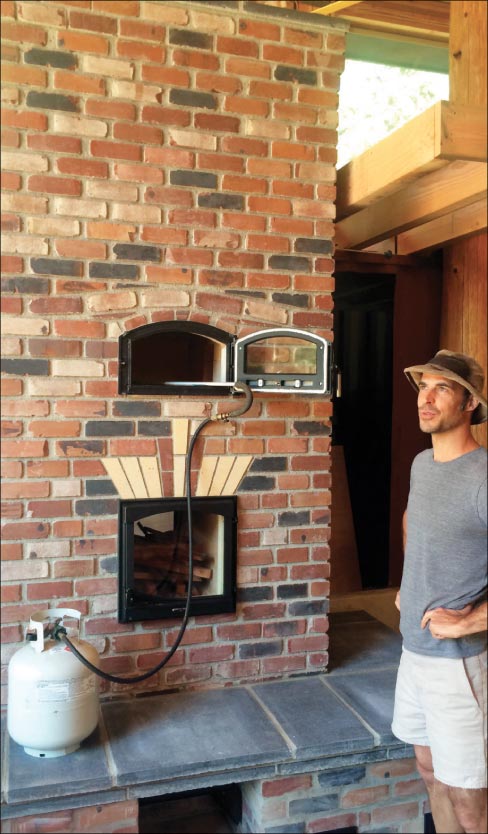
(293, 828)
(262, 649)
(310, 427)
(197, 179)
(234, 202)
(56, 266)
(292, 519)
(23, 367)
(109, 428)
(85, 448)
(314, 804)
(284, 629)
(313, 244)
(301, 76)
(349, 776)
(308, 609)
(109, 564)
(291, 299)
(133, 252)
(269, 464)
(29, 286)
(258, 483)
(292, 591)
(51, 101)
(154, 428)
(289, 262)
(124, 408)
(255, 594)
(110, 270)
(197, 40)
(100, 487)
(49, 58)
(94, 506)
(188, 98)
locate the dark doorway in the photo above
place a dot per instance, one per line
(363, 355)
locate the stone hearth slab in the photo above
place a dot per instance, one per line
(358, 641)
(371, 695)
(313, 718)
(30, 777)
(166, 736)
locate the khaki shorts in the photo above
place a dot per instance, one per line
(441, 703)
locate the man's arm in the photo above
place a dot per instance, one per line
(445, 622)
(404, 538)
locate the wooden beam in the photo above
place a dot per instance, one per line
(466, 221)
(424, 144)
(428, 17)
(336, 7)
(462, 131)
(431, 196)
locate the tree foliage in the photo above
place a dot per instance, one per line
(375, 100)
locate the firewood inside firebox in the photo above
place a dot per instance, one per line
(161, 564)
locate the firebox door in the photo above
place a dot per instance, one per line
(193, 358)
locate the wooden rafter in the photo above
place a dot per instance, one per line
(433, 195)
(459, 224)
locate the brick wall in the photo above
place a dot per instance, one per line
(384, 796)
(163, 160)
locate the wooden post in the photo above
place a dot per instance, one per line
(463, 325)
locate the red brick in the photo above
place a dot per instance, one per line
(94, 23)
(78, 42)
(141, 134)
(47, 469)
(395, 813)
(331, 823)
(139, 29)
(10, 552)
(115, 150)
(49, 590)
(24, 448)
(54, 185)
(110, 109)
(80, 249)
(24, 33)
(139, 50)
(25, 530)
(63, 144)
(82, 167)
(289, 784)
(67, 529)
(10, 182)
(200, 60)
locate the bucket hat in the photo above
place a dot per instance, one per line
(460, 368)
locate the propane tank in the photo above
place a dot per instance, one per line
(52, 696)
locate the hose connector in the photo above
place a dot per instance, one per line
(238, 386)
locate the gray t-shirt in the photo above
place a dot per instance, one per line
(445, 558)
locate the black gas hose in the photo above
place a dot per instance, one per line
(59, 632)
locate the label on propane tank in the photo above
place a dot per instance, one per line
(62, 690)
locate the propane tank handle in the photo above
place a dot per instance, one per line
(37, 622)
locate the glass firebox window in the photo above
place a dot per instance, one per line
(161, 555)
(281, 355)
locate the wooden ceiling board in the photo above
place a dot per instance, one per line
(429, 17)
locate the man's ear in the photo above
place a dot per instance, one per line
(472, 403)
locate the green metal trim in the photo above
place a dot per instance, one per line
(397, 53)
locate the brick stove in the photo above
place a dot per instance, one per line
(174, 163)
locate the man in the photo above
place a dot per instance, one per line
(440, 699)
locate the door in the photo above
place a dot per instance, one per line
(386, 316)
